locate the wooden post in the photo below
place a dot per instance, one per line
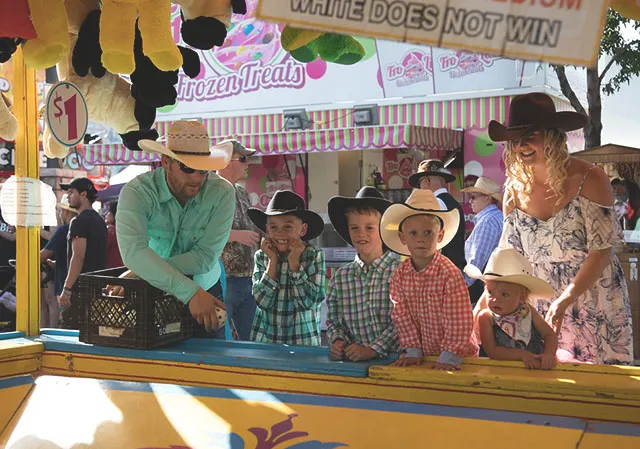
(27, 155)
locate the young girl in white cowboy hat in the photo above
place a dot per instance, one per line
(510, 328)
(431, 306)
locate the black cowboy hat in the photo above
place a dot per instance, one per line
(366, 197)
(430, 167)
(533, 112)
(286, 202)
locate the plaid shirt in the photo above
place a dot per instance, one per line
(432, 310)
(359, 305)
(483, 239)
(289, 309)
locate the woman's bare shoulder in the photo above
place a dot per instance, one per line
(597, 186)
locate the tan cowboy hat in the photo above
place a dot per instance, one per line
(508, 265)
(420, 202)
(64, 204)
(533, 112)
(430, 167)
(188, 142)
(485, 186)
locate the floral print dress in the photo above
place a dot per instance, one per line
(597, 327)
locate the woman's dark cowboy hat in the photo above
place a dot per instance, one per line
(430, 167)
(338, 205)
(533, 112)
(286, 202)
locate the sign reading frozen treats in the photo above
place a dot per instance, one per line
(557, 31)
(252, 71)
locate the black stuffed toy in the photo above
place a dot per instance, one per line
(8, 46)
(206, 32)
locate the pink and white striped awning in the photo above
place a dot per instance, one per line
(307, 141)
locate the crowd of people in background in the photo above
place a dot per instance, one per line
(536, 279)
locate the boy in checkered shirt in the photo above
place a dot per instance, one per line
(432, 310)
(360, 325)
(289, 274)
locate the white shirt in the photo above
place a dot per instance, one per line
(439, 192)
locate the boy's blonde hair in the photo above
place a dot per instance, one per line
(433, 217)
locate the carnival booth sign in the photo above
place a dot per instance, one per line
(556, 31)
(66, 114)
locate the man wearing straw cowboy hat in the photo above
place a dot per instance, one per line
(173, 222)
(484, 197)
(432, 175)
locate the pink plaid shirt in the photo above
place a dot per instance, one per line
(432, 310)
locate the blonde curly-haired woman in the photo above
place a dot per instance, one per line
(559, 214)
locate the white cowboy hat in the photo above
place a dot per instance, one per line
(64, 204)
(508, 265)
(485, 186)
(188, 142)
(420, 202)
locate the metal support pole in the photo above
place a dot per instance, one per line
(27, 154)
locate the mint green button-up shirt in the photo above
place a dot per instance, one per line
(163, 242)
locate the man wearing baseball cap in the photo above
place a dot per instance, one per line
(86, 246)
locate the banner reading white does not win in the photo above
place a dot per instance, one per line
(556, 31)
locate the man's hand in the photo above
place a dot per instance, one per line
(359, 353)
(247, 238)
(202, 306)
(118, 290)
(269, 249)
(64, 300)
(336, 352)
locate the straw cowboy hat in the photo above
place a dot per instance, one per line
(286, 202)
(188, 142)
(64, 204)
(430, 167)
(533, 112)
(508, 265)
(420, 202)
(367, 197)
(485, 186)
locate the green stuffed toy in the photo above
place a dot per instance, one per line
(307, 45)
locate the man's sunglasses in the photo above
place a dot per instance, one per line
(189, 170)
(242, 159)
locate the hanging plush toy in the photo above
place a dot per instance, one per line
(117, 34)
(8, 121)
(49, 18)
(307, 45)
(205, 22)
(108, 97)
(627, 8)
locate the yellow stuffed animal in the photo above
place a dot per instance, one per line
(8, 121)
(49, 19)
(117, 33)
(108, 99)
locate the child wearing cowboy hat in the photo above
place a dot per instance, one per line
(432, 311)
(510, 329)
(360, 325)
(289, 275)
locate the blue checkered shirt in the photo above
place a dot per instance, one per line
(360, 307)
(483, 239)
(289, 308)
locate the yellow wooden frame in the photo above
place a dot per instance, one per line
(27, 165)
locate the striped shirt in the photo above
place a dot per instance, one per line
(359, 304)
(483, 239)
(289, 308)
(432, 311)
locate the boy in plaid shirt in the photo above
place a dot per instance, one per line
(289, 275)
(432, 311)
(360, 325)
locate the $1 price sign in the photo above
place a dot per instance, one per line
(66, 114)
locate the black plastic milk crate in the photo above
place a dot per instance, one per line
(143, 318)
